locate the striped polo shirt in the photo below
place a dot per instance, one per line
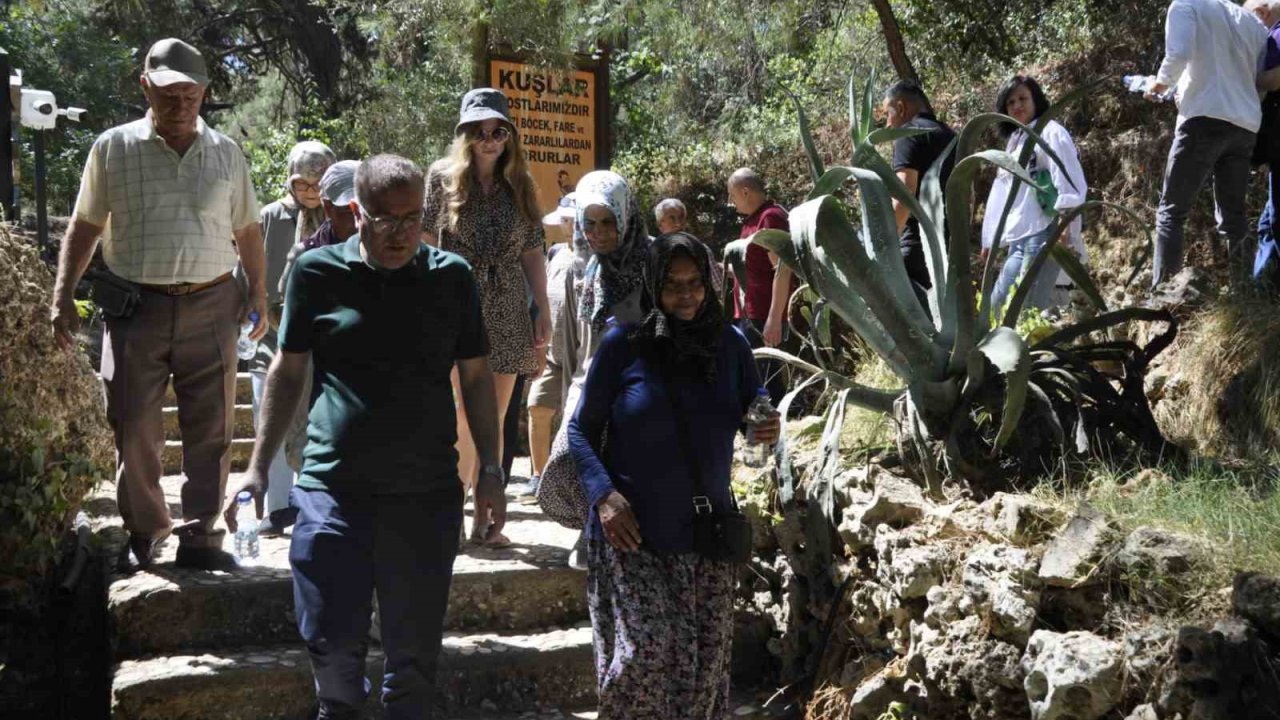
(166, 218)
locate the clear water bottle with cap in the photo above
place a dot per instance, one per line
(246, 348)
(759, 411)
(246, 529)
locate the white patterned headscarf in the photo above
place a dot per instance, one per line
(611, 278)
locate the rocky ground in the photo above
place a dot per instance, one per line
(1009, 609)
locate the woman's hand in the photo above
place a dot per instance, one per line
(767, 432)
(542, 329)
(620, 527)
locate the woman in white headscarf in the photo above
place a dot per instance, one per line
(289, 220)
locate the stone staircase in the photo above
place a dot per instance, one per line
(193, 645)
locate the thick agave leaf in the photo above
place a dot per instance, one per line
(831, 182)
(782, 449)
(824, 225)
(880, 233)
(829, 282)
(959, 293)
(858, 394)
(933, 213)
(816, 167)
(929, 231)
(735, 253)
(1102, 322)
(1007, 352)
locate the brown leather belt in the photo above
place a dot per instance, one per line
(183, 288)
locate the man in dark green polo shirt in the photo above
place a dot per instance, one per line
(384, 318)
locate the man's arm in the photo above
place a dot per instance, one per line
(253, 256)
(77, 250)
(285, 380)
(911, 178)
(1269, 80)
(1179, 39)
(481, 403)
(778, 304)
(535, 272)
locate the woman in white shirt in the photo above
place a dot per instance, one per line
(1063, 187)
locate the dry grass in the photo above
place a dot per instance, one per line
(1223, 390)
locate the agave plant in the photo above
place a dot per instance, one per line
(976, 401)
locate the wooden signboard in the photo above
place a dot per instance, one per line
(562, 118)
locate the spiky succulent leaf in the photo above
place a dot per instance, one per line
(1005, 350)
(816, 166)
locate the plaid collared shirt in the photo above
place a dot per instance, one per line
(167, 218)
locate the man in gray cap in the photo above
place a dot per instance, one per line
(173, 204)
(337, 192)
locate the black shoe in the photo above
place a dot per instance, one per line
(275, 523)
(139, 553)
(205, 558)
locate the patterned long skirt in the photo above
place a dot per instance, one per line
(663, 634)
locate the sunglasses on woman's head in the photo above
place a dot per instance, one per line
(498, 134)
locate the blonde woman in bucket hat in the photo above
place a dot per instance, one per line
(481, 203)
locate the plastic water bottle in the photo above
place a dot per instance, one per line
(759, 411)
(246, 348)
(1143, 83)
(246, 530)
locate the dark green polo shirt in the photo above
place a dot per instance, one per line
(383, 343)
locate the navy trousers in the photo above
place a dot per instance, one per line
(345, 548)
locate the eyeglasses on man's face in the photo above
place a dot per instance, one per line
(384, 224)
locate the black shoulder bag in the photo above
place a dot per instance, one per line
(114, 295)
(724, 536)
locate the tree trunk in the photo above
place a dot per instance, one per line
(893, 36)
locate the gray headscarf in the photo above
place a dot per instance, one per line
(307, 161)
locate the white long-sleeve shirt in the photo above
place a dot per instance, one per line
(1212, 53)
(1026, 217)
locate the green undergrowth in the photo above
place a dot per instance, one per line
(1234, 510)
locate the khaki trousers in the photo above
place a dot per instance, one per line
(193, 338)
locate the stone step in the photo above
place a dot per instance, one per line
(243, 423)
(244, 391)
(493, 672)
(241, 451)
(169, 609)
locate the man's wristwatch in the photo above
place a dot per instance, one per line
(494, 470)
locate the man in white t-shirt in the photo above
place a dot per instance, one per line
(1213, 51)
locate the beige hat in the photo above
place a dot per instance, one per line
(171, 61)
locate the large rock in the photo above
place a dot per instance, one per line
(1075, 556)
(894, 501)
(1072, 676)
(874, 696)
(1151, 552)
(910, 570)
(1227, 672)
(1001, 581)
(1019, 519)
(966, 673)
(1256, 598)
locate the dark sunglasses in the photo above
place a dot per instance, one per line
(498, 134)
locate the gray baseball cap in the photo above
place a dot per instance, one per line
(338, 184)
(171, 61)
(483, 104)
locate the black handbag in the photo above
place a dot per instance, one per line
(114, 295)
(724, 535)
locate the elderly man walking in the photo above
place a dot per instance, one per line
(168, 195)
(1213, 50)
(383, 318)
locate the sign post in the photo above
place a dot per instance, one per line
(562, 117)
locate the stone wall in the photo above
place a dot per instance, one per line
(1007, 609)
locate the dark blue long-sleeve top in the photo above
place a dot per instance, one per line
(642, 457)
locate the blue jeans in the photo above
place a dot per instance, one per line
(1023, 252)
(1266, 262)
(279, 475)
(346, 547)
